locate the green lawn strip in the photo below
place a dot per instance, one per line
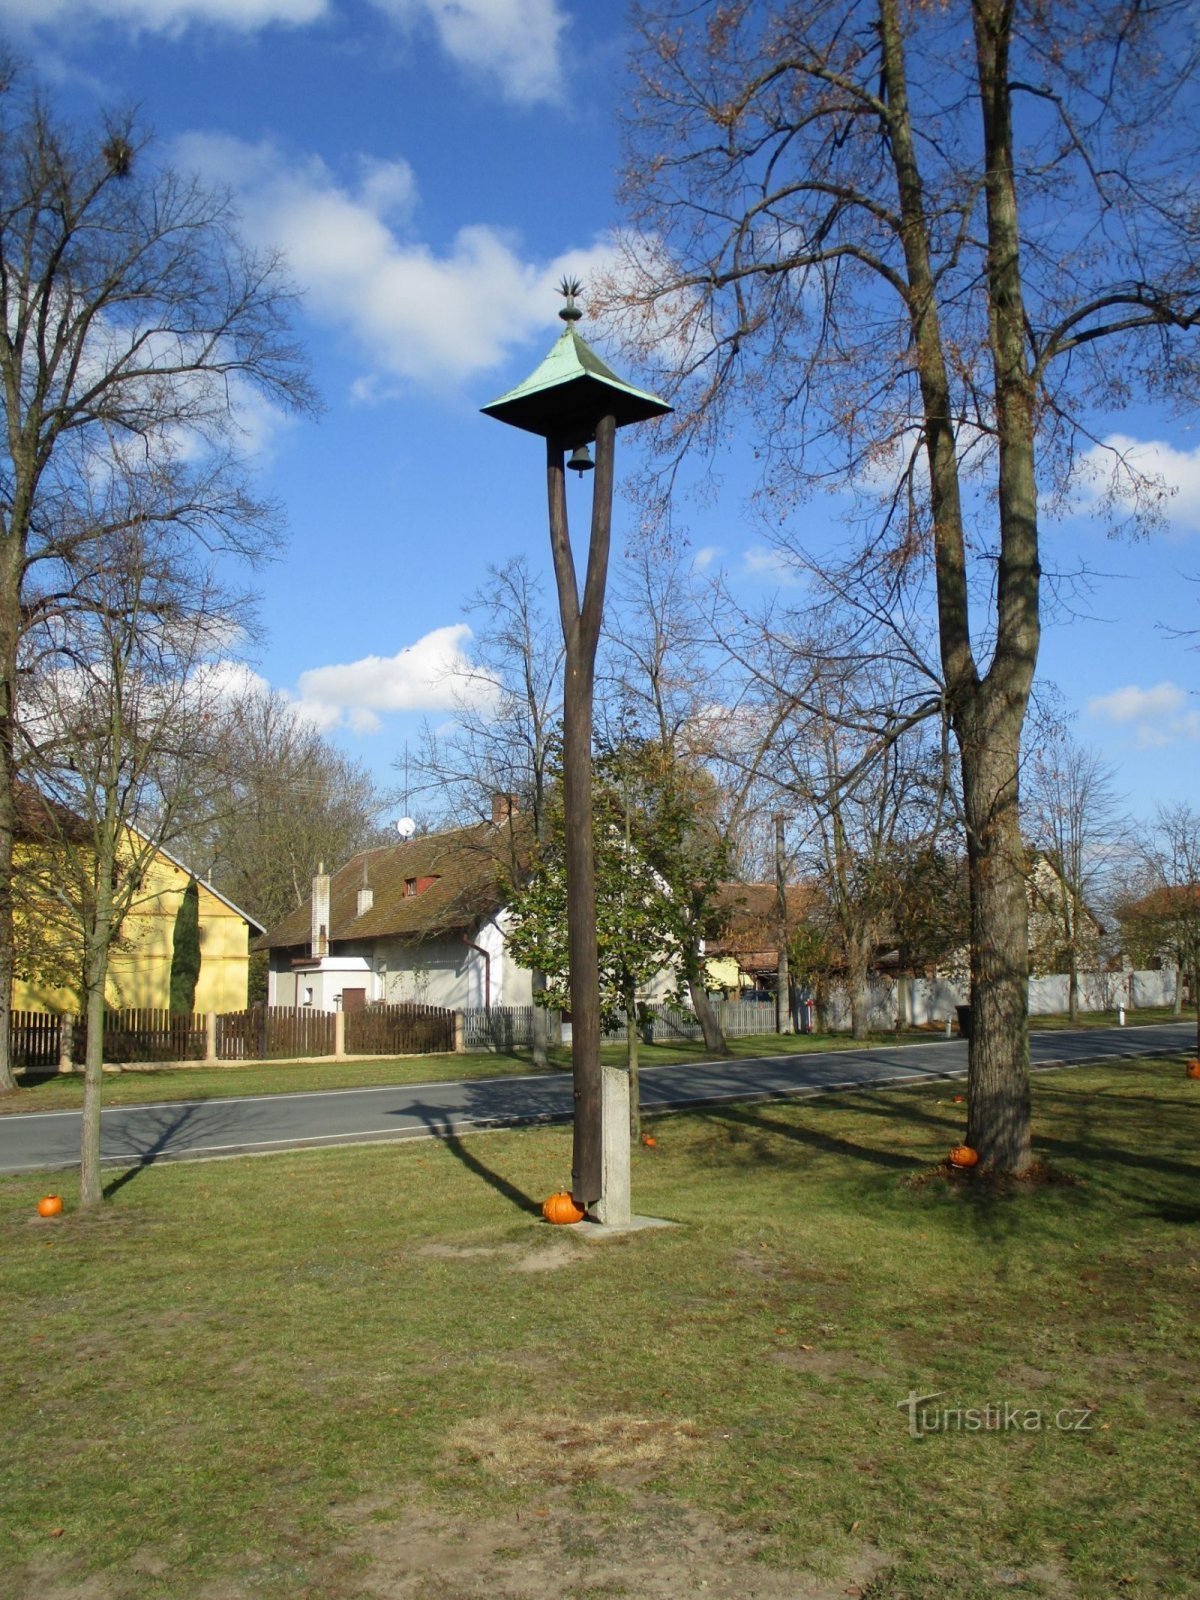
(219, 1384)
(1140, 1016)
(147, 1086)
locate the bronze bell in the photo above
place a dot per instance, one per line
(580, 460)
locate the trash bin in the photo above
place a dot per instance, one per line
(964, 1021)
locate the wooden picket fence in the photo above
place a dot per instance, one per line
(274, 1033)
(261, 1033)
(399, 1030)
(143, 1034)
(33, 1039)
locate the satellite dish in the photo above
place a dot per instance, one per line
(406, 827)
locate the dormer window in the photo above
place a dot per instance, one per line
(410, 887)
(414, 886)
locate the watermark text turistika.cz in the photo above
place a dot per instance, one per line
(997, 1416)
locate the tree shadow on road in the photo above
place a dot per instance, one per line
(172, 1120)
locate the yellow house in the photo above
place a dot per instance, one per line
(139, 965)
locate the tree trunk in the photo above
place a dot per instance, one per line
(1177, 1005)
(998, 1071)
(715, 1041)
(91, 1191)
(10, 613)
(986, 712)
(860, 1002)
(1073, 989)
(783, 984)
(631, 1063)
(541, 1024)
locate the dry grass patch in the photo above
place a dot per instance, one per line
(557, 1447)
(652, 1548)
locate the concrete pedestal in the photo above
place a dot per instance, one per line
(614, 1204)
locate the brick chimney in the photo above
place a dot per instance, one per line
(504, 806)
(320, 913)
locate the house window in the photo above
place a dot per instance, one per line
(308, 994)
(410, 887)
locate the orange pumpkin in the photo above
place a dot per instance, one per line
(649, 1141)
(561, 1208)
(963, 1156)
(49, 1205)
(1193, 1069)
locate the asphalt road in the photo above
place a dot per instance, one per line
(208, 1129)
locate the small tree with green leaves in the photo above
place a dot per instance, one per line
(185, 954)
(637, 921)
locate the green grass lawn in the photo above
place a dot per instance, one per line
(375, 1372)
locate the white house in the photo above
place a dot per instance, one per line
(423, 920)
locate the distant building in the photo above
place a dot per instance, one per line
(423, 921)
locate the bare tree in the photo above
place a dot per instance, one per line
(1073, 819)
(276, 799)
(865, 806)
(922, 245)
(131, 320)
(506, 722)
(661, 688)
(116, 727)
(505, 732)
(1160, 920)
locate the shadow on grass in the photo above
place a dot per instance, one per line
(440, 1126)
(748, 1116)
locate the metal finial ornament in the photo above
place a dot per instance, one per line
(569, 288)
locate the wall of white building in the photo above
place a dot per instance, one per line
(438, 972)
(933, 1000)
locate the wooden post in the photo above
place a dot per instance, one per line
(210, 1038)
(339, 1035)
(581, 634)
(460, 1033)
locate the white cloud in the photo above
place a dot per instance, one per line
(760, 562)
(513, 42)
(1133, 474)
(229, 680)
(418, 315)
(162, 16)
(705, 556)
(1156, 716)
(434, 674)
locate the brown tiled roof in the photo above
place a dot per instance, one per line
(472, 868)
(38, 819)
(1167, 900)
(751, 927)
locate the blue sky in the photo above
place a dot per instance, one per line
(431, 168)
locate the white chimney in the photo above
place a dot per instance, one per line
(320, 913)
(366, 899)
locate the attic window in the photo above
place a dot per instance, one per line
(414, 886)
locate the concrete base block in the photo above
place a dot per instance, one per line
(589, 1229)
